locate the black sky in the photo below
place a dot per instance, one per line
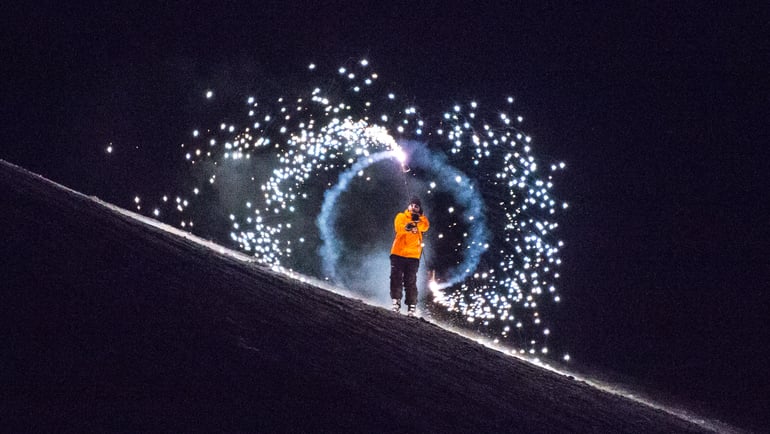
(659, 110)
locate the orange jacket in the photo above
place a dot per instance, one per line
(408, 244)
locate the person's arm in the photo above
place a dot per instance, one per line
(423, 224)
(399, 223)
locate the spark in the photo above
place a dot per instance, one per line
(492, 201)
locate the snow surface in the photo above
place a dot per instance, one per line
(114, 321)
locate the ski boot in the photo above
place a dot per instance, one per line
(411, 310)
(396, 307)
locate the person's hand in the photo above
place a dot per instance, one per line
(411, 227)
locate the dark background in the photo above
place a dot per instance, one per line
(660, 112)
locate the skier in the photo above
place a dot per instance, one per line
(405, 255)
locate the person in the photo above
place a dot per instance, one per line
(405, 255)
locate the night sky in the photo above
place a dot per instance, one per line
(660, 113)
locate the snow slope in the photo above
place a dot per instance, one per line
(113, 324)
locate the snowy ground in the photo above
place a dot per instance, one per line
(112, 321)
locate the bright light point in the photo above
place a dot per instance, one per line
(566, 358)
(502, 247)
(109, 149)
(401, 155)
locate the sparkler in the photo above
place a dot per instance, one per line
(296, 160)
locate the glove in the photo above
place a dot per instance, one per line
(415, 217)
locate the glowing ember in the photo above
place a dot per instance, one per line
(491, 249)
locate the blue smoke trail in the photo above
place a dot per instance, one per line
(467, 194)
(464, 190)
(330, 248)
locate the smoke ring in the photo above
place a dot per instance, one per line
(461, 187)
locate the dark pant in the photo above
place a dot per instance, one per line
(403, 275)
